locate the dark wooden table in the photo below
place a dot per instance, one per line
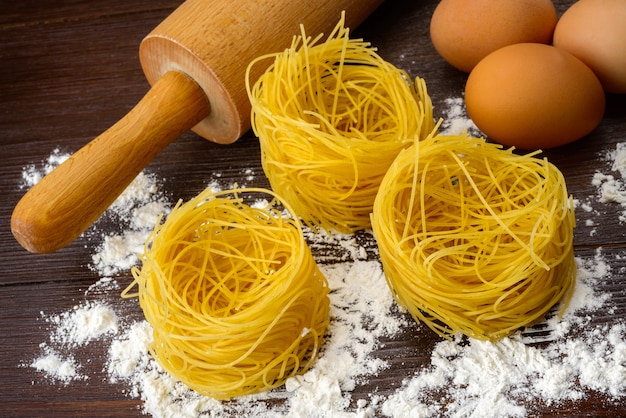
(69, 69)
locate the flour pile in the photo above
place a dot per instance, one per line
(465, 377)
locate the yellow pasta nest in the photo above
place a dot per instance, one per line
(234, 297)
(473, 238)
(331, 117)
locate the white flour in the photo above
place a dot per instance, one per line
(56, 366)
(72, 329)
(84, 323)
(33, 173)
(455, 121)
(610, 188)
(137, 211)
(465, 378)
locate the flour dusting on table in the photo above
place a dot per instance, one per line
(465, 377)
(33, 173)
(611, 187)
(136, 210)
(456, 121)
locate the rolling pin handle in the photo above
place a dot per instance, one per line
(59, 208)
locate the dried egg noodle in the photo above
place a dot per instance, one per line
(234, 297)
(331, 117)
(474, 238)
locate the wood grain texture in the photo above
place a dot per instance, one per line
(71, 70)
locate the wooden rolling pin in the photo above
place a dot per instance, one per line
(195, 61)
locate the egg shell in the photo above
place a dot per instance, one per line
(465, 31)
(534, 96)
(595, 32)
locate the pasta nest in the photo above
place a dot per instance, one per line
(475, 239)
(235, 300)
(331, 117)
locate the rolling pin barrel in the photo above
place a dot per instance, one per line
(196, 62)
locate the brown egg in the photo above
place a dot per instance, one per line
(595, 32)
(534, 96)
(463, 31)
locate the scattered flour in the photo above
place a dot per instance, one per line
(456, 120)
(137, 210)
(466, 378)
(57, 367)
(361, 308)
(86, 322)
(70, 330)
(610, 188)
(33, 173)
